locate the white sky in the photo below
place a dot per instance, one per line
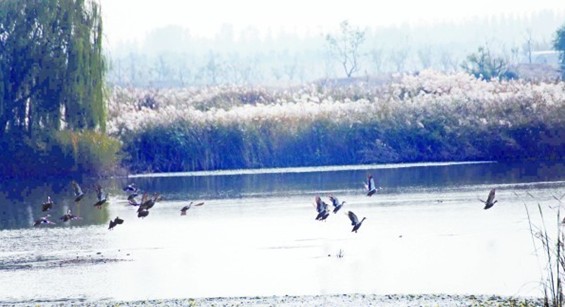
(132, 19)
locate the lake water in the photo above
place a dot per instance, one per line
(425, 232)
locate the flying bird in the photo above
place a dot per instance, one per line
(490, 200)
(69, 216)
(133, 202)
(115, 222)
(370, 186)
(132, 196)
(145, 204)
(79, 194)
(47, 205)
(335, 202)
(131, 188)
(322, 209)
(142, 213)
(148, 203)
(101, 196)
(185, 208)
(355, 221)
(43, 220)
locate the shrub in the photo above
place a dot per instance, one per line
(486, 66)
(86, 152)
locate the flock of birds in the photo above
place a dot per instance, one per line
(69, 216)
(147, 202)
(371, 189)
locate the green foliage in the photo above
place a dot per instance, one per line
(58, 154)
(52, 68)
(559, 45)
(87, 152)
(486, 66)
(51, 78)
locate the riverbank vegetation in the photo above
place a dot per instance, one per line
(52, 89)
(58, 117)
(58, 153)
(548, 248)
(428, 116)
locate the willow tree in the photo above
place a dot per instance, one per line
(51, 66)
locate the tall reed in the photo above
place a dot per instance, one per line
(426, 117)
(552, 256)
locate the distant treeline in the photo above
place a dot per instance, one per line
(429, 117)
(171, 56)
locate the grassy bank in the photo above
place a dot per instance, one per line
(58, 153)
(424, 117)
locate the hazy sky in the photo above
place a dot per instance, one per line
(131, 19)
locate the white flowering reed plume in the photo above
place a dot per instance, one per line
(411, 97)
(428, 102)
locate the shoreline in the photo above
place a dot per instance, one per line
(356, 299)
(307, 169)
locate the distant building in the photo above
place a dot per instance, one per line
(546, 57)
(544, 67)
(537, 72)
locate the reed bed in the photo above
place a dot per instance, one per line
(429, 116)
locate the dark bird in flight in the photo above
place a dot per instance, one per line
(47, 205)
(43, 220)
(142, 213)
(148, 203)
(79, 194)
(131, 188)
(335, 202)
(185, 208)
(101, 196)
(355, 221)
(132, 196)
(115, 222)
(69, 216)
(370, 186)
(133, 202)
(322, 209)
(490, 200)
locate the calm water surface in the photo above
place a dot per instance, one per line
(426, 232)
